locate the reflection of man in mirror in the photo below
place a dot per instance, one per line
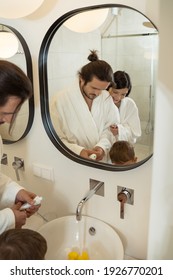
(15, 89)
(129, 127)
(83, 113)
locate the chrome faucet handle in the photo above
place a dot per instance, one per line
(122, 198)
(17, 164)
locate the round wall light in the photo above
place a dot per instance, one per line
(18, 8)
(8, 44)
(87, 21)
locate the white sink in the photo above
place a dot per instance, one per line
(66, 234)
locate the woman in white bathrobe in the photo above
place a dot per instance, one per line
(129, 128)
(83, 113)
(15, 88)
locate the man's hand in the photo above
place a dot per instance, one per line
(20, 216)
(86, 153)
(25, 196)
(99, 153)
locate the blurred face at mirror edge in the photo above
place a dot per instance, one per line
(118, 95)
(93, 88)
(15, 89)
(8, 110)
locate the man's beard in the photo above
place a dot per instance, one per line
(89, 97)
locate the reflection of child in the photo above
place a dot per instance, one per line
(122, 153)
(22, 244)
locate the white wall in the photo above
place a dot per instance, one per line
(161, 222)
(71, 180)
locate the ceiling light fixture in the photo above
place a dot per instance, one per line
(18, 8)
(87, 21)
(8, 44)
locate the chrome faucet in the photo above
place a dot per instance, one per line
(17, 164)
(89, 194)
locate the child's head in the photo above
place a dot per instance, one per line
(22, 244)
(122, 153)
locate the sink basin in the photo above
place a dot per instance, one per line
(65, 235)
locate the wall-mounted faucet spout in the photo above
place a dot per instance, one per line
(89, 194)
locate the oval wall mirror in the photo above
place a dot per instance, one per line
(128, 41)
(24, 119)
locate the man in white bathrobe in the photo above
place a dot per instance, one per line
(83, 113)
(15, 88)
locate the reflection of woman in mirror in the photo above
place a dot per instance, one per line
(122, 153)
(129, 128)
(83, 113)
(15, 89)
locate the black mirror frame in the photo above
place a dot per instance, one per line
(44, 98)
(30, 76)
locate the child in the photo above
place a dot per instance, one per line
(22, 244)
(122, 153)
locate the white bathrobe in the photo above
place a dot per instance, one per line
(129, 128)
(77, 126)
(8, 191)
